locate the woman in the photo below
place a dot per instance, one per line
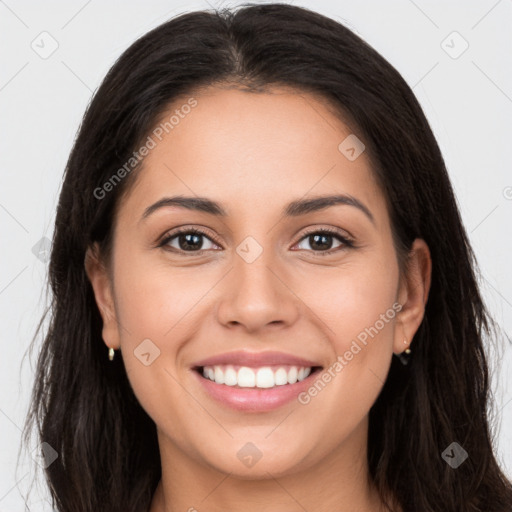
(257, 223)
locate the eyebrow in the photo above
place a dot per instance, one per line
(294, 209)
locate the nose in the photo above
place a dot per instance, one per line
(258, 295)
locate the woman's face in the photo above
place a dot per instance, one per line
(263, 287)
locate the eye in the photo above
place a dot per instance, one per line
(321, 240)
(187, 240)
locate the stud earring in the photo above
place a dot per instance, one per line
(405, 355)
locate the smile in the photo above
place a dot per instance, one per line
(263, 377)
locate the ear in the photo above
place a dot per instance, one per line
(413, 294)
(102, 286)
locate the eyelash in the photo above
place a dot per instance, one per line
(347, 242)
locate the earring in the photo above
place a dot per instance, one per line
(111, 353)
(404, 359)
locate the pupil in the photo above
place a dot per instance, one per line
(316, 238)
(187, 244)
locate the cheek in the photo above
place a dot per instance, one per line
(155, 312)
(157, 301)
(354, 301)
(358, 318)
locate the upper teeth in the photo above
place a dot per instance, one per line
(264, 377)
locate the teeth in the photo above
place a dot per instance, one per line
(218, 375)
(264, 377)
(229, 377)
(246, 377)
(281, 377)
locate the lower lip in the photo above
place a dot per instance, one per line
(255, 399)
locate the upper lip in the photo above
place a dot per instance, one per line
(256, 359)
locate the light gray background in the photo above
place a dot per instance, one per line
(467, 99)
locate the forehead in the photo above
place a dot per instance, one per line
(251, 152)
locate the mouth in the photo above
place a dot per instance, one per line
(263, 377)
(254, 381)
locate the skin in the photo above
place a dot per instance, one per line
(254, 153)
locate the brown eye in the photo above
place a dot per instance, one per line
(322, 240)
(187, 240)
